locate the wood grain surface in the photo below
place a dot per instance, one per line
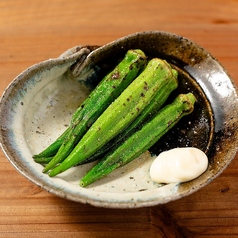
(32, 31)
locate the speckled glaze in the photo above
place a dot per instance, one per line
(37, 106)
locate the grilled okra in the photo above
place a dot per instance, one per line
(119, 114)
(143, 139)
(152, 109)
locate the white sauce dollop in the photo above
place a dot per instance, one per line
(178, 165)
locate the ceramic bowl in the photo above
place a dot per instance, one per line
(37, 106)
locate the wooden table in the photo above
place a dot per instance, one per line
(32, 31)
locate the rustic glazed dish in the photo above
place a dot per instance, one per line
(37, 106)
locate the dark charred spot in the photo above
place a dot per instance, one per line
(124, 104)
(146, 86)
(169, 123)
(113, 86)
(142, 57)
(142, 95)
(138, 109)
(128, 99)
(116, 75)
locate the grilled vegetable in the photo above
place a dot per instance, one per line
(108, 89)
(147, 113)
(143, 139)
(120, 113)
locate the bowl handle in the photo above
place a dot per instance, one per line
(81, 53)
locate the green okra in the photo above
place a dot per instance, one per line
(143, 139)
(151, 109)
(123, 111)
(99, 99)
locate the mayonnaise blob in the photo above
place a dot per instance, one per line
(178, 165)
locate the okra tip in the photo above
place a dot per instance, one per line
(191, 97)
(87, 180)
(82, 184)
(57, 170)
